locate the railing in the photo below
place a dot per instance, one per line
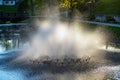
(103, 18)
(13, 15)
(12, 31)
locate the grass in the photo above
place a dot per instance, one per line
(113, 33)
(108, 7)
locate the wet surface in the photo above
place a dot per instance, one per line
(65, 69)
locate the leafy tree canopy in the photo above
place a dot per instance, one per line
(79, 4)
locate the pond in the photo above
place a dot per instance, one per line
(58, 52)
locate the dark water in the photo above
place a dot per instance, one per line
(21, 70)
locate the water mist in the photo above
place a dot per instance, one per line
(58, 39)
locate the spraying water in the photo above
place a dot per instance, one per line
(57, 39)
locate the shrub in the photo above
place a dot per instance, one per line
(110, 19)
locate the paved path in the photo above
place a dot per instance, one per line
(13, 24)
(89, 22)
(101, 23)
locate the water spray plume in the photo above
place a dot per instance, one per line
(57, 39)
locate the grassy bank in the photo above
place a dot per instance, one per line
(110, 31)
(107, 7)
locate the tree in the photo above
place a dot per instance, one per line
(32, 8)
(70, 5)
(80, 5)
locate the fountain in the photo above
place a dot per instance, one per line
(59, 50)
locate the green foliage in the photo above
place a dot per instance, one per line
(110, 19)
(8, 22)
(23, 6)
(97, 6)
(112, 32)
(81, 5)
(115, 33)
(8, 9)
(68, 3)
(37, 3)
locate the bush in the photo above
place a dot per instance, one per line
(110, 19)
(89, 17)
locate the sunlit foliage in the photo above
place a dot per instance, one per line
(78, 4)
(69, 3)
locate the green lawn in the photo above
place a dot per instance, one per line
(108, 7)
(112, 32)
